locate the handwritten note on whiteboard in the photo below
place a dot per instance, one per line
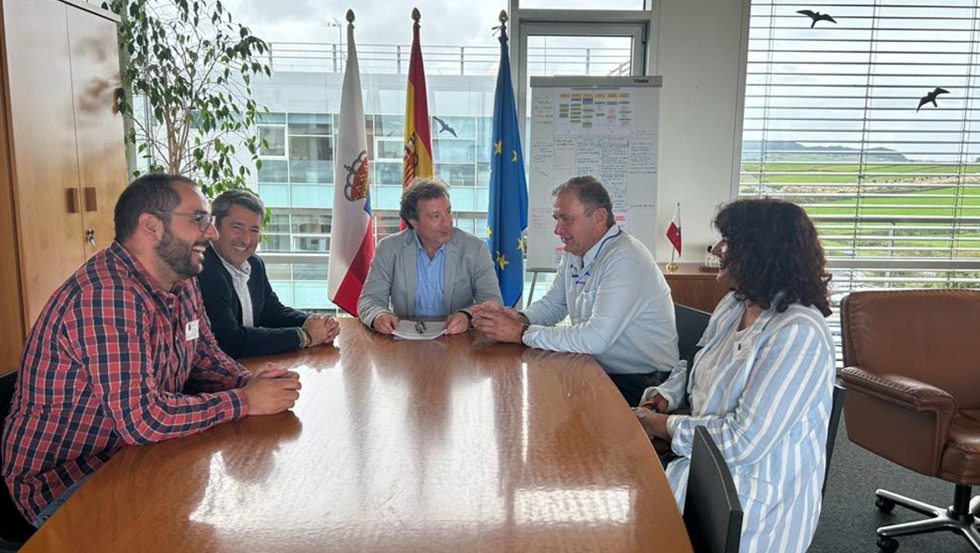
(607, 127)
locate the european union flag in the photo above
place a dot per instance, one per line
(507, 216)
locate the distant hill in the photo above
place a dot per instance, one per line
(794, 151)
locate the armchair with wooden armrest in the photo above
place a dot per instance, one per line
(912, 371)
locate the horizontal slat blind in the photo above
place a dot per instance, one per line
(831, 123)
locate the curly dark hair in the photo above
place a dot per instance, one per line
(420, 189)
(772, 247)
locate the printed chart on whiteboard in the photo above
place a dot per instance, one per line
(600, 126)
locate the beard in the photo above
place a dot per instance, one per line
(178, 255)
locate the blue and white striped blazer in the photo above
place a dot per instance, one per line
(768, 405)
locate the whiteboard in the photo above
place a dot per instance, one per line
(606, 127)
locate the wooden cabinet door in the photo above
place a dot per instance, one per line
(98, 127)
(43, 150)
(12, 330)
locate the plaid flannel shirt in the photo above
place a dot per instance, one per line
(112, 360)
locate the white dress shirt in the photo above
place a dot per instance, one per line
(619, 305)
(239, 279)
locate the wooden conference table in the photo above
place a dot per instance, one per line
(457, 444)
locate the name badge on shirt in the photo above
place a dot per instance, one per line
(191, 330)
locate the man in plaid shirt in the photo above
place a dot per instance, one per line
(122, 353)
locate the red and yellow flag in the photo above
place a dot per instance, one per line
(417, 158)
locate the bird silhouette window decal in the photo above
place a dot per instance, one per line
(817, 16)
(444, 127)
(931, 98)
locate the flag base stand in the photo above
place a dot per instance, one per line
(672, 266)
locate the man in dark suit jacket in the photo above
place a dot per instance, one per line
(246, 316)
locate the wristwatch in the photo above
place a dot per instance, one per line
(304, 338)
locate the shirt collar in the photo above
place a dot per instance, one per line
(590, 255)
(244, 270)
(421, 248)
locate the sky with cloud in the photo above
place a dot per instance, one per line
(444, 22)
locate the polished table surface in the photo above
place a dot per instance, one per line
(457, 444)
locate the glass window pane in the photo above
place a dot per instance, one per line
(462, 198)
(456, 174)
(311, 147)
(279, 118)
(482, 196)
(278, 271)
(313, 172)
(584, 4)
(274, 171)
(388, 173)
(310, 271)
(284, 290)
(311, 224)
(448, 149)
(387, 197)
(278, 223)
(275, 138)
(275, 243)
(311, 243)
(390, 149)
(385, 224)
(310, 295)
(453, 127)
(480, 227)
(274, 195)
(483, 173)
(579, 55)
(484, 132)
(305, 195)
(312, 196)
(390, 126)
(310, 123)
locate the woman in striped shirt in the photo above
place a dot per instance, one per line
(762, 384)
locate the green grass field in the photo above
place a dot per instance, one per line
(849, 190)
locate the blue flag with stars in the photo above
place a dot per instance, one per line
(507, 213)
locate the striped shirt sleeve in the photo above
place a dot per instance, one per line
(785, 377)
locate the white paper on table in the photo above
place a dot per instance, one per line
(406, 330)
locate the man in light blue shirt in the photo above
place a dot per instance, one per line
(430, 270)
(428, 281)
(610, 287)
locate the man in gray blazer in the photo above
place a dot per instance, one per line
(431, 269)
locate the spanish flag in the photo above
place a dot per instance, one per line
(417, 159)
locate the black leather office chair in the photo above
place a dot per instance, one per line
(836, 408)
(14, 530)
(712, 511)
(690, 324)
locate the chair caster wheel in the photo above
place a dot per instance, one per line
(885, 506)
(888, 545)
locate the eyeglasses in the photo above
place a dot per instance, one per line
(203, 220)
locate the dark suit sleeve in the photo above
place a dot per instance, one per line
(220, 302)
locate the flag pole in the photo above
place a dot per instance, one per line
(672, 266)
